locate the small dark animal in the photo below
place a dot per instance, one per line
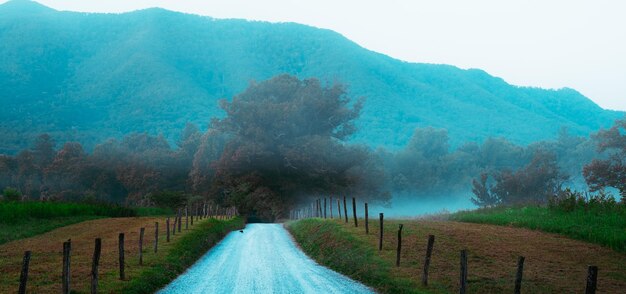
(240, 231)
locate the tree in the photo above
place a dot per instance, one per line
(286, 144)
(611, 172)
(482, 194)
(203, 166)
(62, 176)
(534, 183)
(43, 151)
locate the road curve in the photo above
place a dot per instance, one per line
(262, 259)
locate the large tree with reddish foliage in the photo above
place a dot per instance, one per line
(285, 145)
(611, 172)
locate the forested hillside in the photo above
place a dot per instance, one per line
(87, 77)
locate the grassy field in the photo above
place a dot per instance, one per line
(554, 264)
(25, 219)
(604, 226)
(159, 268)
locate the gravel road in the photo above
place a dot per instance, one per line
(262, 259)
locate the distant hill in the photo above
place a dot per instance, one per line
(88, 77)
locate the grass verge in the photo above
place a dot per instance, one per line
(182, 255)
(333, 246)
(592, 225)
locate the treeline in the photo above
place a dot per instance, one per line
(428, 166)
(284, 141)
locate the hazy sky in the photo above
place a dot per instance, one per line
(549, 44)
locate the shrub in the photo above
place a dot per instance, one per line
(568, 201)
(11, 194)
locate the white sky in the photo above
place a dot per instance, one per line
(545, 43)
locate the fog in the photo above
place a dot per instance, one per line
(407, 206)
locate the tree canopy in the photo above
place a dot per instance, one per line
(286, 144)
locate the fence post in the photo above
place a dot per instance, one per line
(463, 277)
(319, 207)
(94, 265)
(167, 229)
(330, 202)
(429, 252)
(367, 227)
(24, 273)
(356, 223)
(67, 249)
(186, 218)
(345, 209)
(121, 255)
(518, 275)
(156, 236)
(141, 232)
(324, 207)
(399, 245)
(339, 208)
(380, 239)
(180, 222)
(592, 280)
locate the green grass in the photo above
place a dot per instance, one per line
(33, 227)
(184, 252)
(331, 245)
(26, 219)
(604, 226)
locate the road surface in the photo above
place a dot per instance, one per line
(262, 259)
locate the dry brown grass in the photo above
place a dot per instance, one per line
(46, 260)
(554, 264)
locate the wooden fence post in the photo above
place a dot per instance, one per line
(592, 280)
(67, 249)
(339, 208)
(95, 262)
(330, 202)
(156, 236)
(463, 277)
(167, 229)
(345, 209)
(319, 208)
(399, 249)
(121, 255)
(174, 225)
(180, 220)
(24, 273)
(518, 275)
(380, 238)
(356, 222)
(141, 232)
(324, 207)
(367, 227)
(429, 252)
(186, 218)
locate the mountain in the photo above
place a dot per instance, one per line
(87, 77)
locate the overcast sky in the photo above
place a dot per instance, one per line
(549, 44)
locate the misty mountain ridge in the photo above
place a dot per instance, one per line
(88, 76)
